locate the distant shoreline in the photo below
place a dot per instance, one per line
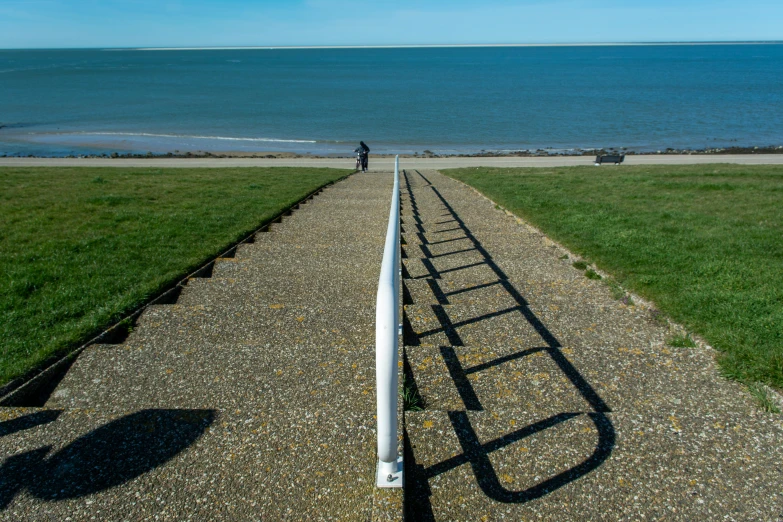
(442, 46)
(540, 153)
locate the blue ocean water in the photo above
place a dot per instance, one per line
(447, 100)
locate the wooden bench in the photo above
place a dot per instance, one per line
(616, 159)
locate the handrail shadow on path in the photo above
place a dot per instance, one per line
(473, 452)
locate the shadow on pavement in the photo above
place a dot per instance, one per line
(27, 422)
(108, 456)
(473, 452)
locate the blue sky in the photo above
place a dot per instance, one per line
(178, 23)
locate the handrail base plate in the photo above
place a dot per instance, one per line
(385, 480)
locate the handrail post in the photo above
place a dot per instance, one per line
(387, 320)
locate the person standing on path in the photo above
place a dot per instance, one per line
(359, 157)
(365, 155)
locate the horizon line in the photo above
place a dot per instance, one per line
(409, 46)
(441, 46)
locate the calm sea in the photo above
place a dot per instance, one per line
(447, 100)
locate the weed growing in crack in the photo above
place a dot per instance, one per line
(411, 400)
(592, 274)
(681, 341)
(763, 398)
(658, 317)
(126, 326)
(579, 265)
(616, 290)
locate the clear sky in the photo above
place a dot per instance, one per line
(202, 23)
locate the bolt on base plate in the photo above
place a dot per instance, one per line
(389, 480)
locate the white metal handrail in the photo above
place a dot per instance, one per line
(387, 320)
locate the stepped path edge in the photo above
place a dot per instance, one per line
(251, 397)
(23, 390)
(545, 398)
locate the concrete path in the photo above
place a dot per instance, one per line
(386, 164)
(251, 398)
(547, 399)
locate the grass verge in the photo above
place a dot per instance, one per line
(81, 247)
(704, 242)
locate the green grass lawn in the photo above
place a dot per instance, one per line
(81, 247)
(705, 243)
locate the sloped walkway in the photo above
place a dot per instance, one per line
(250, 398)
(546, 399)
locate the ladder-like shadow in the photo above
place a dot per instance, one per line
(475, 453)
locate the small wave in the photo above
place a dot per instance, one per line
(193, 137)
(39, 67)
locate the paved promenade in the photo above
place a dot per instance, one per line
(387, 164)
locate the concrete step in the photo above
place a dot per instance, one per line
(492, 245)
(303, 267)
(290, 246)
(547, 379)
(236, 353)
(457, 325)
(415, 248)
(432, 216)
(556, 304)
(469, 265)
(511, 233)
(443, 229)
(265, 292)
(341, 207)
(582, 465)
(299, 230)
(445, 291)
(464, 268)
(297, 463)
(202, 374)
(250, 323)
(414, 234)
(493, 378)
(342, 201)
(436, 219)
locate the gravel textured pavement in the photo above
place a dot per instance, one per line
(251, 398)
(547, 399)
